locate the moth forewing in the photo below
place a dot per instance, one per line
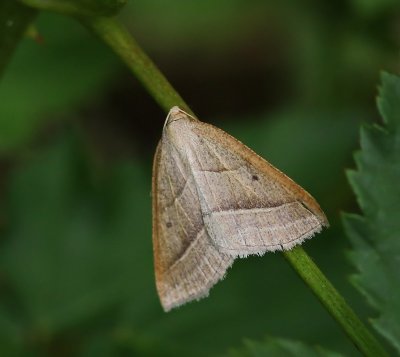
(187, 264)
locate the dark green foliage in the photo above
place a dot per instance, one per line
(291, 80)
(375, 234)
(74, 247)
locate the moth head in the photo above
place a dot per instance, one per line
(175, 114)
(176, 123)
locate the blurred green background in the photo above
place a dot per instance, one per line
(292, 80)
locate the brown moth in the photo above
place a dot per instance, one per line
(214, 200)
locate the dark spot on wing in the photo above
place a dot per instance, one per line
(255, 178)
(169, 224)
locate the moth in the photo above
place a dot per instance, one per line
(214, 200)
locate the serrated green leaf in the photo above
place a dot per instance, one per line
(375, 235)
(279, 347)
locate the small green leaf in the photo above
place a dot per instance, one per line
(79, 7)
(280, 347)
(375, 234)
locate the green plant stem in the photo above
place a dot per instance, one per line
(334, 302)
(122, 43)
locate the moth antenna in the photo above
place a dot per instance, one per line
(182, 111)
